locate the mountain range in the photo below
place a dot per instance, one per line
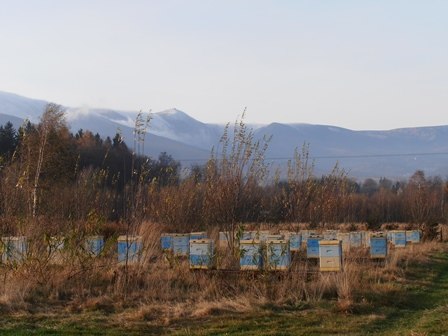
(395, 154)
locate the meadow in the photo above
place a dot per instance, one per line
(403, 294)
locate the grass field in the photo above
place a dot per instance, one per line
(420, 308)
(418, 305)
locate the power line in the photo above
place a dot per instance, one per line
(355, 156)
(360, 156)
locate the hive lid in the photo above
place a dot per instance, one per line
(250, 241)
(129, 238)
(201, 241)
(330, 242)
(277, 241)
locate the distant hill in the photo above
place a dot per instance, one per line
(4, 118)
(394, 153)
(21, 107)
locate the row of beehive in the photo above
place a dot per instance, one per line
(276, 254)
(15, 249)
(328, 252)
(349, 239)
(258, 249)
(271, 254)
(352, 239)
(201, 250)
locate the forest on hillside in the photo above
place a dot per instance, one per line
(61, 179)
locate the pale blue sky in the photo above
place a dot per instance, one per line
(356, 64)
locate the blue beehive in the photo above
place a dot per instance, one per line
(312, 247)
(166, 242)
(413, 236)
(251, 257)
(202, 254)
(130, 249)
(295, 241)
(399, 238)
(181, 244)
(278, 255)
(378, 246)
(94, 245)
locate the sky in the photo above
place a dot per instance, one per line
(360, 64)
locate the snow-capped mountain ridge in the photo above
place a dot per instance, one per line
(188, 139)
(21, 107)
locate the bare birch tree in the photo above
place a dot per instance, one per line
(53, 119)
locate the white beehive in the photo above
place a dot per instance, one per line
(355, 239)
(330, 255)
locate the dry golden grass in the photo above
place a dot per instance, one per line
(164, 289)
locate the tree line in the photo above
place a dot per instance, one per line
(52, 176)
